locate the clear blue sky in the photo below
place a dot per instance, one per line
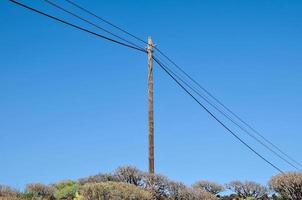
(73, 105)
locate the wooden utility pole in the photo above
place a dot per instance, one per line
(150, 106)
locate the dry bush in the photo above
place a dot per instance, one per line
(9, 198)
(209, 186)
(113, 191)
(247, 189)
(40, 190)
(129, 174)
(288, 185)
(99, 178)
(178, 191)
(200, 194)
(157, 184)
(6, 191)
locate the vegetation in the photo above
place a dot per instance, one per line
(248, 189)
(8, 193)
(287, 185)
(38, 191)
(66, 190)
(129, 183)
(209, 186)
(113, 191)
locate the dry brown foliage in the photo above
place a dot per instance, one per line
(113, 191)
(41, 190)
(247, 189)
(209, 186)
(7, 192)
(129, 174)
(288, 185)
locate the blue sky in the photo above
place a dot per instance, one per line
(73, 105)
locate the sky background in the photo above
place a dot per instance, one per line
(73, 105)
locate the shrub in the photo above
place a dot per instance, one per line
(129, 174)
(251, 198)
(201, 194)
(99, 178)
(35, 190)
(178, 191)
(287, 185)
(209, 186)
(248, 189)
(6, 191)
(9, 198)
(157, 184)
(66, 190)
(113, 191)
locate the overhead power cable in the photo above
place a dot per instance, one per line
(194, 81)
(134, 46)
(213, 116)
(231, 112)
(91, 23)
(106, 21)
(195, 90)
(192, 88)
(76, 26)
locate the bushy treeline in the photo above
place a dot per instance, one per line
(129, 183)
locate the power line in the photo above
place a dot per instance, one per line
(76, 26)
(226, 115)
(107, 38)
(260, 135)
(91, 23)
(194, 81)
(106, 21)
(229, 110)
(251, 135)
(213, 116)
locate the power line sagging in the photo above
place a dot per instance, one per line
(179, 77)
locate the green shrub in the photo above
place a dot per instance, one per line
(113, 191)
(66, 190)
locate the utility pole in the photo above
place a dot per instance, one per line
(150, 105)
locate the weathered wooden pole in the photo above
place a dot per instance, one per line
(150, 106)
